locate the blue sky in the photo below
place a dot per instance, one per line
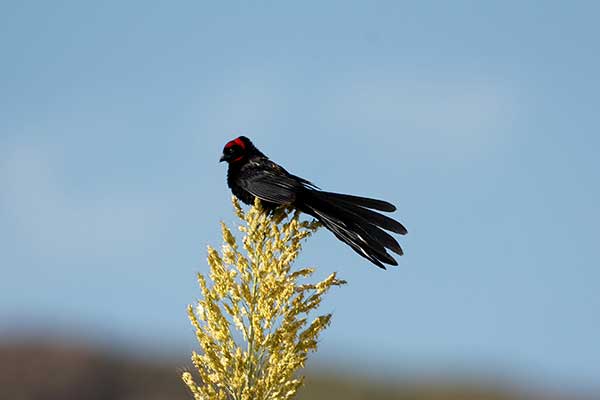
(479, 121)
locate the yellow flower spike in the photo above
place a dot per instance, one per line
(238, 208)
(256, 292)
(228, 236)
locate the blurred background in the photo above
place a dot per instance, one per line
(479, 120)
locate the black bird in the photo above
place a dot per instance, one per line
(350, 218)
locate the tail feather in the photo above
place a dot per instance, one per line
(362, 201)
(384, 238)
(355, 225)
(377, 256)
(374, 218)
(371, 223)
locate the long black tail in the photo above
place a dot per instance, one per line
(353, 221)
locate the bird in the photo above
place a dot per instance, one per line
(352, 219)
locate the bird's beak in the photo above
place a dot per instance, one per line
(223, 158)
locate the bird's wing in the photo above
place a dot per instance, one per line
(272, 183)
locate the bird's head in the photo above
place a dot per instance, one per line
(238, 149)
